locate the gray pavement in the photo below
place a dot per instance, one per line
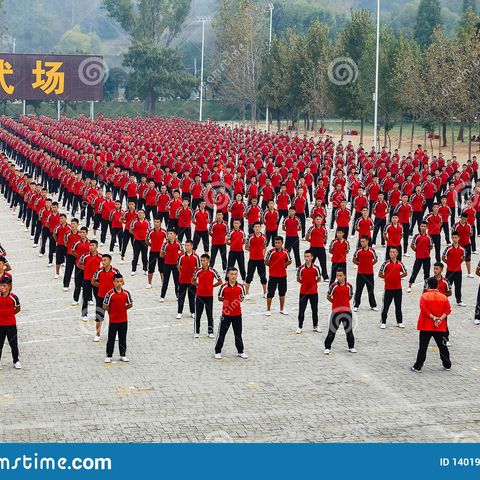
(173, 390)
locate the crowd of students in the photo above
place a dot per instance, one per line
(167, 188)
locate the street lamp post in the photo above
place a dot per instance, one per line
(203, 19)
(270, 7)
(375, 95)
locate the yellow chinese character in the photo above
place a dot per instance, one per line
(6, 69)
(49, 80)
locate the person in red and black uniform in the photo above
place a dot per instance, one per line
(155, 239)
(392, 271)
(277, 261)
(464, 231)
(218, 230)
(80, 247)
(454, 256)
(139, 229)
(291, 226)
(231, 294)
(188, 262)
(128, 217)
(256, 245)
(171, 251)
(201, 219)
(117, 302)
(89, 263)
(365, 258)
(340, 294)
(270, 219)
(116, 227)
(432, 322)
(317, 236)
(184, 216)
(9, 307)
(434, 225)
(102, 281)
(59, 234)
(308, 276)
(338, 249)
(417, 200)
(443, 287)
(393, 235)
(236, 240)
(379, 209)
(422, 246)
(205, 279)
(404, 212)
(70, 238)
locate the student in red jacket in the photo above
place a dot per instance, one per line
(231, 294)
(432, 322)
(117, 303)
(340, 294)
(9, 307)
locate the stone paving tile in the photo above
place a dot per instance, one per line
(174, 391)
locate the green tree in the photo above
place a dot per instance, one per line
(74, 41)
(241, 35)
(156, 72)
(117, 78)
(428, 19)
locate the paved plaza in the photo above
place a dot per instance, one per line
(173, 390)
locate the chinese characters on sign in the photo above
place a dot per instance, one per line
(51, 77)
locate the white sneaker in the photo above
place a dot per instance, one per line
(283, 312)
(102, 244)
(383, 325)
(31, 237)
(50, 265)
(326, 351)
(145, 272)
(74, 303)
(97, 338)
(352, 350)
(409, 289)
(470, 275)
(65, 289)
(35, 245)
(56, 276)
(179, 316)
(133, 274)
(192, 315)
(374, 246)
(476, 321)
(17, 366)
(448, 343)
(298, 330)
(461, 304)
(406, 254)
(84, 318)
(400, 325)
(26, 229)
(40, 254)
(148, 286)
(268, 313)
(355, 309)
(247, 297)
(124, 359)
(317, 329)
(91, 302)
(122, 261)
(243, 355)
(265, 295)
(161, 300)
(218, 356)
(196, 335)
(375, 309)
(108, 360)
(211, 335)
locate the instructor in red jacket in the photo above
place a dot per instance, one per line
(432, 322)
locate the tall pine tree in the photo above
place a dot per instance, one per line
(428, 19)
